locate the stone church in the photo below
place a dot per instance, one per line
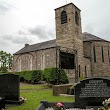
(80, 54)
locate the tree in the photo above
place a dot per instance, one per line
(6, 60)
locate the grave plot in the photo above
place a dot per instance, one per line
(89, 95)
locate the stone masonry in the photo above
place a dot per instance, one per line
(92, 54)
(69, 34)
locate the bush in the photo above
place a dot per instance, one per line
(33, 76)
(36, 76)
(55, 76)
(22, 75)
(3, 69)
(28, 76)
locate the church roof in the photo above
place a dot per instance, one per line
(91, 37)
(52, 43)
(38, 46)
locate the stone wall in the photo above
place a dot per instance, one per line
(50, 58)
(87, 49)
(87, 67)
(69, 35)
(93, 50)
(50, 61)
(33, 60)
(61, 89)
(100, 67)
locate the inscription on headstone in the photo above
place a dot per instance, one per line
(91, 92)
(95, 88)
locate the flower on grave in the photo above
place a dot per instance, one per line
(23, 98)
(106, 105)
(59, 106)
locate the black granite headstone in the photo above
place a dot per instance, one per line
(91, 92)
(10, 88)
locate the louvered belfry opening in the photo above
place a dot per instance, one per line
(63, 17)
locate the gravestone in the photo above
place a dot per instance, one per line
(91, 92)
(9, 88)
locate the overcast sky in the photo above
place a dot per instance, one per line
(33, 21)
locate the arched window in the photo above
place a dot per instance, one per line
(19, 64)
(85, 72)
(42, 62)
(30, 62)
(63, 17)
(94, 53)
(102, 54)
(76, 18)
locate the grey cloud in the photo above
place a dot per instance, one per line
(8, 46)
(41, 32)
(4, 7)
(17, 39)
(20, 32)
(23, 32)
(30, 36)
(21, 39)
(89, 28)
(96, 17)
(5, 46)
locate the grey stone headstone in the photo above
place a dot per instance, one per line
(9, 87)
(92, 92)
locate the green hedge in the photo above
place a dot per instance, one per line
(55, 76)
(33, 76)
(50, 75)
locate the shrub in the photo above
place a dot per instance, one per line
(63, 76)
(55, 76)
(36, 76)
(33, 76)
(3, 69)
(22, 75)
(28, 76)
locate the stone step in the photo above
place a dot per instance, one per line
(66, 95)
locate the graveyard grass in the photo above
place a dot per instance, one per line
(34, 94)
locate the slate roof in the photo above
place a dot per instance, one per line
(90, 37)
(52, 43)
(38, 46)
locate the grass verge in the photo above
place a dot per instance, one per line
(34, 94)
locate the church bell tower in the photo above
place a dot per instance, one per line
(69, 31)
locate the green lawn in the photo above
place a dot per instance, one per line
(34, 94)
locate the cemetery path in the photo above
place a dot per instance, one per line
(24, 87)
(25, 90)
(27, 84)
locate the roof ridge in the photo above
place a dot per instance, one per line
(37, 46)
(91, 37)
(42, 42)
